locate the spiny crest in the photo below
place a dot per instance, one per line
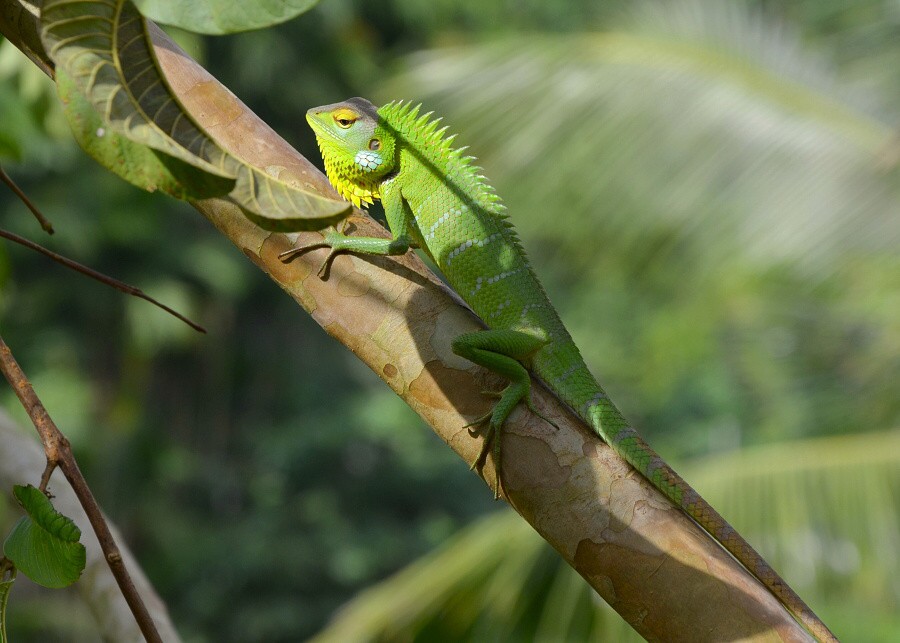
(422, 133)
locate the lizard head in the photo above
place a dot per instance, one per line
(357, 148)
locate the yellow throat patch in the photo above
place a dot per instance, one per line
(346, 178)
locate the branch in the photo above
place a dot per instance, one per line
(99, 276)
(658, 569)
(646, 558)
(45, 224)
(59, 454)
(97, 587)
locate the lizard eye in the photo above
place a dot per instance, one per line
(374, 145)
(345, 118)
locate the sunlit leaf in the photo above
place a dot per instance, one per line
(222, 16)
(44, 544)
(104, 47)
(138, 164)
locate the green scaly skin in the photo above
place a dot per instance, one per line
(434, 199)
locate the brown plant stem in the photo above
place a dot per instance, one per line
(59, 454)
(45, 223)
(99, 276)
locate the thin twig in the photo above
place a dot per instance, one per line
(45, 477)
(45, 224)
(99, 276)
(59, 452)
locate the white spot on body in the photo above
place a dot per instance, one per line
(443, 219)
(500, 308)
(465, 245)
(594, 400)
(101, 132)
(569, 372)
(502, 275)
(529, 307)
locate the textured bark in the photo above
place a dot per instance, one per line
(651, 563)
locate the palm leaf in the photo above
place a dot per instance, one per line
(721, 200)
(826, 511)
(698, 115)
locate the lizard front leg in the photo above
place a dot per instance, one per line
(399, 219)
(500, 351)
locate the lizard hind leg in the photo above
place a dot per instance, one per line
(499, 351)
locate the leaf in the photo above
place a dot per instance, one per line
(695, 116)
(44, 544)
(215, 17)
(456, 590)
(140, 165)
(104, 47)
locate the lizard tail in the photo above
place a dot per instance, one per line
(609, 423)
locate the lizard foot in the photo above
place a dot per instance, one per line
(495, 418)
(490, 446)
(528, 402)
(326, 264)
(533, 409)
(326, 242)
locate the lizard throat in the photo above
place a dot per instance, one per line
(347, 179)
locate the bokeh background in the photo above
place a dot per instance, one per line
(711, 194)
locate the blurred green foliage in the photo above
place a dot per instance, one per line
(833, 544)
(263, 476)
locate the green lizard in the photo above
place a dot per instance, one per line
(434, 199)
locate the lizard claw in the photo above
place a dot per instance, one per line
(533, 409)
(482, 456)
(290, 255)
(490, 446)
(326, 265)
(480, 420)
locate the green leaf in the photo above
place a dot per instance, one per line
(216, 17)
(44, 544)
(694, 114)
(497, 573)
(138, 164)
(44, 515)
(106, 50)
